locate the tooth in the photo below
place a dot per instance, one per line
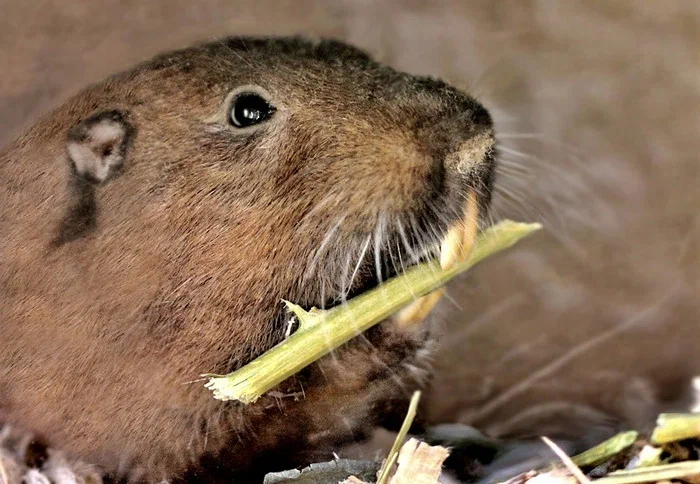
(459, 241)
(418, 309)
(471, 226)
(450, 247)
(456, 247)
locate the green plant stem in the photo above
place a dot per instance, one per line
(320, 331)
(605, 450)
(672, 427)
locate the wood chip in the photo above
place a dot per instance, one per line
(419, 463)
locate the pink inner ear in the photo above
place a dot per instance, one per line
(106, 132)
(98, 153)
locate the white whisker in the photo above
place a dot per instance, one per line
(321, 248)
(378, 230)
(360, 259)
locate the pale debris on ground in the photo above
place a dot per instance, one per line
(418, 463)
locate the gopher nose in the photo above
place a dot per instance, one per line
(472, 141)
(470, 153)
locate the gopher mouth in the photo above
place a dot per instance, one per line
(454, 247)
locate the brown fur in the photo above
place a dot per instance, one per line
(192, 246)
(608, 93)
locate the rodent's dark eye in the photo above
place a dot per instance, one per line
(249, 109)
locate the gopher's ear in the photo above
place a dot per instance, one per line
(98, 145)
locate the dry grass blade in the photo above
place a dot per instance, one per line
(566, 460)
(677, 470)
(394, 452)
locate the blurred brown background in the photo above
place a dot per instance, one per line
(598, 105)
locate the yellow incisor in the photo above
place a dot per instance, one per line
(456, 247)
